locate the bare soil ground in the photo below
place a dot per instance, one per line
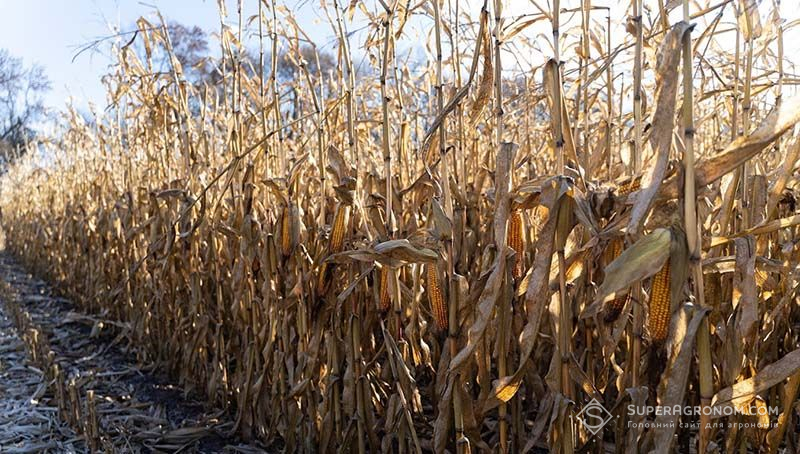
(54, 358)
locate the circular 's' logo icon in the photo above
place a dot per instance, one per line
(594, 416)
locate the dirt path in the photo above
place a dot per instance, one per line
(66, 385)
(26, 424)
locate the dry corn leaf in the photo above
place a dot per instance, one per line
(744, 391)
(491, 293)
(743, 148)
(663, 123)
(676, 376)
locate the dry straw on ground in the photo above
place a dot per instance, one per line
(448, 257)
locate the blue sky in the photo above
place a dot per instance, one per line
(50, 32)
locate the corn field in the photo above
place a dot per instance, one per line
(453, 256)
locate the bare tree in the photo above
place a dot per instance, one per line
(288, 67)
(190, 44)
(21, 103)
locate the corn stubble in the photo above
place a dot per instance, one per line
(365, 268)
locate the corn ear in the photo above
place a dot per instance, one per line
(516, 241)
(324, 277)
(290, 229)
(436, 296)
(386, 300)
(286, 229)
(630, 186)
(658, 319)
(614, 307)
(340, 221)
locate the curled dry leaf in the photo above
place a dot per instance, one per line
(484, 93)
(554, 191)
(491, 293)
(663, 123)
(676, 376)
(393, 253)
(744, 148)
(744, 391)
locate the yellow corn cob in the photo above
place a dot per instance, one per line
(658, 319)
(614, 307)
(516, 241)
(436, 297)
(630, 186)
(386, 301)
(616, 248)
(323, 279)
(272, 254)
(340, 221)
(286, 232)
